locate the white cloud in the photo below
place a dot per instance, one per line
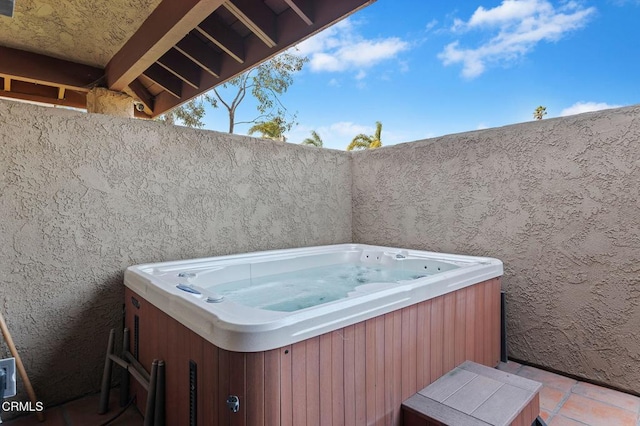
(580, 107)
(341, 48)
(520, 26)
(431, 25)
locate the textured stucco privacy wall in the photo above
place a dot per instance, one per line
(83, 196)
(557, 200)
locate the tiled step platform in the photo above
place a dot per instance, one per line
(474, 395)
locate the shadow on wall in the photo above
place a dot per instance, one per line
(70, 360)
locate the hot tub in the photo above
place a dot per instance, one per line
(352, 329)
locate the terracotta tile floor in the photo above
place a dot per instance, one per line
(567, 402)
(563, 402)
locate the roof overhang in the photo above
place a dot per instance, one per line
(179, 50)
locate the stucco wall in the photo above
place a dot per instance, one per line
(556, 200)
(84, 196)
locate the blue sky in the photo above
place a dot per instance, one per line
(426, 69)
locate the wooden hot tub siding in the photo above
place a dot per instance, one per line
(356, 375)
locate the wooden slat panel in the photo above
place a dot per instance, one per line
(460, 327)
(210, 393)
(396, 367)
(495, 344)
(196, 355)
(405, 367)
(448, 353)
(413, 344)
(426, 361)
(223, 388)
(470, 336)
(489, 324)
(182, 369)
(370, 370)
(380, 364)
(337, 377)
(286, 397)
(389, 368)
(272, 378)
(326, 412)
(349, 376)
(437, 338)
(480, 325)
(237, 386)
(360, 373)
(313, 381)
(255, 389)
(171, 372)
(299, 382)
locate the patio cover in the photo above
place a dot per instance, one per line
(162, 53)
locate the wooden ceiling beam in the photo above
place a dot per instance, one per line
(303, 8)
(165, 79)
(26, 91)
(292, 30)
(200, 53)
(41, 69)
(256, 16)
(219, 33)
(182, 67)
(165, 27)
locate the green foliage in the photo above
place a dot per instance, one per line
(272, 129)
(265, 83)
(540, 112)
(363, 141)
(314, 140)
(189, 114)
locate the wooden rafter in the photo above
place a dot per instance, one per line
(45, 94)
(217, 32)
(41, 69)
(164, 79)
(165, 27)
(303, 9)
(291, 30)
(182, 67)
(200, 53)
(256, 16)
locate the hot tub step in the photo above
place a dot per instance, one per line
(474, 395)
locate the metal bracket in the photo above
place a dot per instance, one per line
(233, 402)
